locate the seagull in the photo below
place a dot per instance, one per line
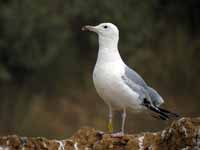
(117, 84)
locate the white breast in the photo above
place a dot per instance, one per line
(110, 86)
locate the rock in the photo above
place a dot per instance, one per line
(183, 134)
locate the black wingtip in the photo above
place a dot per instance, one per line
(171, 114)
(163, 113)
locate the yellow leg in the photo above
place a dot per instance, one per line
(110, 127)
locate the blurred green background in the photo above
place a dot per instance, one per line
(46, 62)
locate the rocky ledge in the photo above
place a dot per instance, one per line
(183, 134)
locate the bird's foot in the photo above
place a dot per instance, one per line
(117, 135)
(100, 133)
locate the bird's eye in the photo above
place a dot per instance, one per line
(105, 27)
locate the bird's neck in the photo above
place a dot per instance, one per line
(108, 42)
(108, 51)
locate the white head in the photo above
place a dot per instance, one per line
(108, 34)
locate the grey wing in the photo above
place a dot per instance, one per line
(148, 98)
(134, 77)
(156, 99)
(143, 93)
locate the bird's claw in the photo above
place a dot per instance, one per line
(117, 135)
(100, 133)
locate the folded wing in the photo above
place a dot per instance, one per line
(148, 96)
